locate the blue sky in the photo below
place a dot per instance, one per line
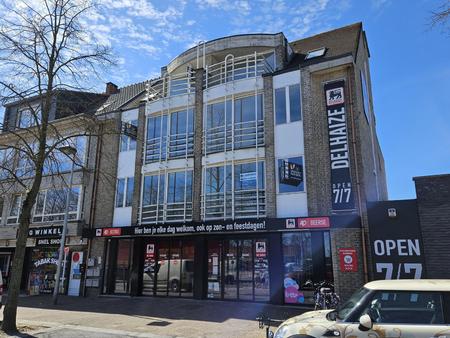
(410, 65)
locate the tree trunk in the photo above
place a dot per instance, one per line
(10, 311)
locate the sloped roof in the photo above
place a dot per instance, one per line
(125, 95)
(338, 42)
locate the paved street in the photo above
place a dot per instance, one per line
(144, 317)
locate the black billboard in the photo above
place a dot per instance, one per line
(291, 173)
(395, 240)
(341, 185)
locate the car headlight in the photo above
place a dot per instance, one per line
(281, 331)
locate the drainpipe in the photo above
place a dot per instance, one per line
(93, 195)
(358, 183)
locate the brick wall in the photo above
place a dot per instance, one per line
(433, 200)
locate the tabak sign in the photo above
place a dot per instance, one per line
(341, 185)
(291, 173)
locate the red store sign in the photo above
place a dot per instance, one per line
(348, 260)
(313, 222)
(112, 232)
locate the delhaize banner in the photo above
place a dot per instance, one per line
(342, 196)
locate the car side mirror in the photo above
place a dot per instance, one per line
(365, 323)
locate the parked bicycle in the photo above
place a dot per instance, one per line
(324, 295)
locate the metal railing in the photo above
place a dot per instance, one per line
(235, 68)
(166, 212)
(237, 204)
(169, 147)
(223, 138)
(171, 85)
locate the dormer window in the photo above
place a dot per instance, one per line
(315, 53)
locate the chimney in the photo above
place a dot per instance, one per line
(111, 88)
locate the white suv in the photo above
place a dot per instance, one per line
(388, 308)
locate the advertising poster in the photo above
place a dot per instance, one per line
(348, 261)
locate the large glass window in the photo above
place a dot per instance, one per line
(234, 125)
(27, 118)
(167, 202)
(58, 162)
(287, 104)
(304, 258)
(124, 192)
(127, 142)
(290, 185)
(14, 210)
(248, 197)
(51, 205)
(170, 136)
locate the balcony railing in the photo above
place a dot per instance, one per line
(235, 68)
(169, 147)
(245, 135)
(172, 85)
(168, 212)
(246, 204)
(231, 69)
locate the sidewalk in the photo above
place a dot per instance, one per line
(145, 317)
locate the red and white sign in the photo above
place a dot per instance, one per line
(66, 250)
(313, 222)
(150, 251)
(107, 232)
(260, 248)
(348, 260)
(75, 257)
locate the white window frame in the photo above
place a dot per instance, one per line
(16, 218)
(129, 138)
(288, 104)
(124, 202)
(43, 215)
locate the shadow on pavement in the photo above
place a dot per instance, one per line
(167, 308)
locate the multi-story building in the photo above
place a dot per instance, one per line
(243, 171)
(71, 119)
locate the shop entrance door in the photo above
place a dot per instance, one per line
(238, 269)
(168, 268)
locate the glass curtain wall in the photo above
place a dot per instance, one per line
(170, 136)
(234, 191)
(234, 124)
(167, 197)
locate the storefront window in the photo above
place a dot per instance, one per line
(43, 270)
(305, 259)
(122, 273)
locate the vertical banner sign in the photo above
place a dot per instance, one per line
(348, 261)
(341, 185)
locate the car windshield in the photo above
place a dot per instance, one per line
(344, 309)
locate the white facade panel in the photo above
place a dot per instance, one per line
(122, 217)
(172, 103)
(126, 163)
(169, 165)
(289, 143)
(237, 155)
(230, 88)
(292, 205)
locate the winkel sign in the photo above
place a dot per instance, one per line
(341, 185)
(52, 231)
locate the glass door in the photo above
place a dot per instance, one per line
(214, 269)
(230, 265)
(245, 275)
(162, 268)
(187, 269)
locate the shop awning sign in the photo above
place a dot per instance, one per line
(291, 173)
(51, 231)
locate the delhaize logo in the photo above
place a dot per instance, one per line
(335, 96)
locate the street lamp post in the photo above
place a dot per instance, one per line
(70, 152)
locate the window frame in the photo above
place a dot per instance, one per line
(287, 103)
(10, 219)
(128, 139)
(126, 201)
(45, 215)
